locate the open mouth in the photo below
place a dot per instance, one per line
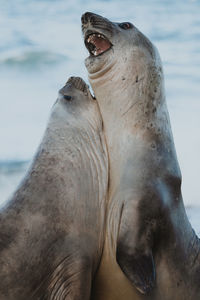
(97, 44)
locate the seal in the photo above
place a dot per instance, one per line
(149, 242)
(52, 229)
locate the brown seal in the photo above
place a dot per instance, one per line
(149, 242)
(52, 230)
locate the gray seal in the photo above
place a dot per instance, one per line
(52, 229)
(149, 243)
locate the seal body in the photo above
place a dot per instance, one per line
(148, 237)
(52, 230)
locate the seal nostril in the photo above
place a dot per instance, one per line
(67, 97)
(92, 19)
(86, 17)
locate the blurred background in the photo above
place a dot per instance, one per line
(41, 46)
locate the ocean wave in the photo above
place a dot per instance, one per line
(33, 59)
(11, 173)
(8, 167)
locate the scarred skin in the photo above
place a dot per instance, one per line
(151, 251)
(52, 230)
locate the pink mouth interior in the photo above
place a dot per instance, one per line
(97, 44)
(101, 45)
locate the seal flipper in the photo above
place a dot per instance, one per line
(138, 266)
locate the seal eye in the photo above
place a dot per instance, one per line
(125, 25)
(67, 97)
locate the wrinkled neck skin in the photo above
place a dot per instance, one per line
(138, 136)
(112, 83)
(124, 100)
(46, 227)
(134, 125)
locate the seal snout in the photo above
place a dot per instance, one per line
(73, 83)
(92, 18)
(78, 83)
(86, 17)
(95, 20)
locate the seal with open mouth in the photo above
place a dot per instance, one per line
(52, 230)
(149, 242)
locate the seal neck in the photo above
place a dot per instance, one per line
(135, 98)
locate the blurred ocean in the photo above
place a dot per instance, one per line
(41, 46)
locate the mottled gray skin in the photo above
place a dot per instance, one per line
(149, 242)
(52, 230)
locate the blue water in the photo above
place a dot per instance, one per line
(41, 46)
